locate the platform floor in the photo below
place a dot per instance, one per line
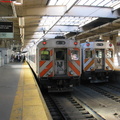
(20, 97)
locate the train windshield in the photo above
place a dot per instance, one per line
(60, 55)
(88, 54)
(99, 54)
(74, 55)
(109, 53)
(45, 55)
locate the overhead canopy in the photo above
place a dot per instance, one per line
(37, 19)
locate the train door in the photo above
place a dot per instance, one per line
(60, 61)
(99, 58)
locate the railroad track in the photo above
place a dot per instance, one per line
(68, 107)
(55, 109)
(113, 87)
(105, 92)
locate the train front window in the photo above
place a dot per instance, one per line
(109, 53)
(74, 55)
(98, 54)
(60, 55)
(45, 55)
(88, 54)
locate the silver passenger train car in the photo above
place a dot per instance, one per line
(56, 63)
(97, 61)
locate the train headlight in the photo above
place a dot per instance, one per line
(49, 86)
(107, 77)
(107, 67)
(89, 78)
(49, 73)
(91, 68)
(71, 72)
(71, 85)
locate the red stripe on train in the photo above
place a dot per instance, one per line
(47, 68)
(41, 63)
(73, 68)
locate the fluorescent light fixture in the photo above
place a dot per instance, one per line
(100, 37)
(118, 33)
(18, 2)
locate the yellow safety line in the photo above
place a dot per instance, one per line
(29, 103)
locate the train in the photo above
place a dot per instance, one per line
(56, 63)
(60, 64)
(97, 61)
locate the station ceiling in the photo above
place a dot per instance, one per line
(42, 19)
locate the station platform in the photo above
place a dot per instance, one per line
(20, 97)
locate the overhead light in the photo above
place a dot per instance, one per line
(87, 40)
(18, 2)
(8, 1)
(118, 33)
(100, 37)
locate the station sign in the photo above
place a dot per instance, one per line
(6, 29)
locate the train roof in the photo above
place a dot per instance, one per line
(97, 44)
(58, 43)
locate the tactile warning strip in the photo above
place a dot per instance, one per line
(29, 103)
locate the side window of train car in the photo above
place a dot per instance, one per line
(75, 55)
(109, 53)
(88, 54)
(45, 55)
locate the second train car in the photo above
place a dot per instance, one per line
(56, 63)
(97, 61)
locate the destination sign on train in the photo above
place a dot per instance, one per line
(60, 42)
(99, 44)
